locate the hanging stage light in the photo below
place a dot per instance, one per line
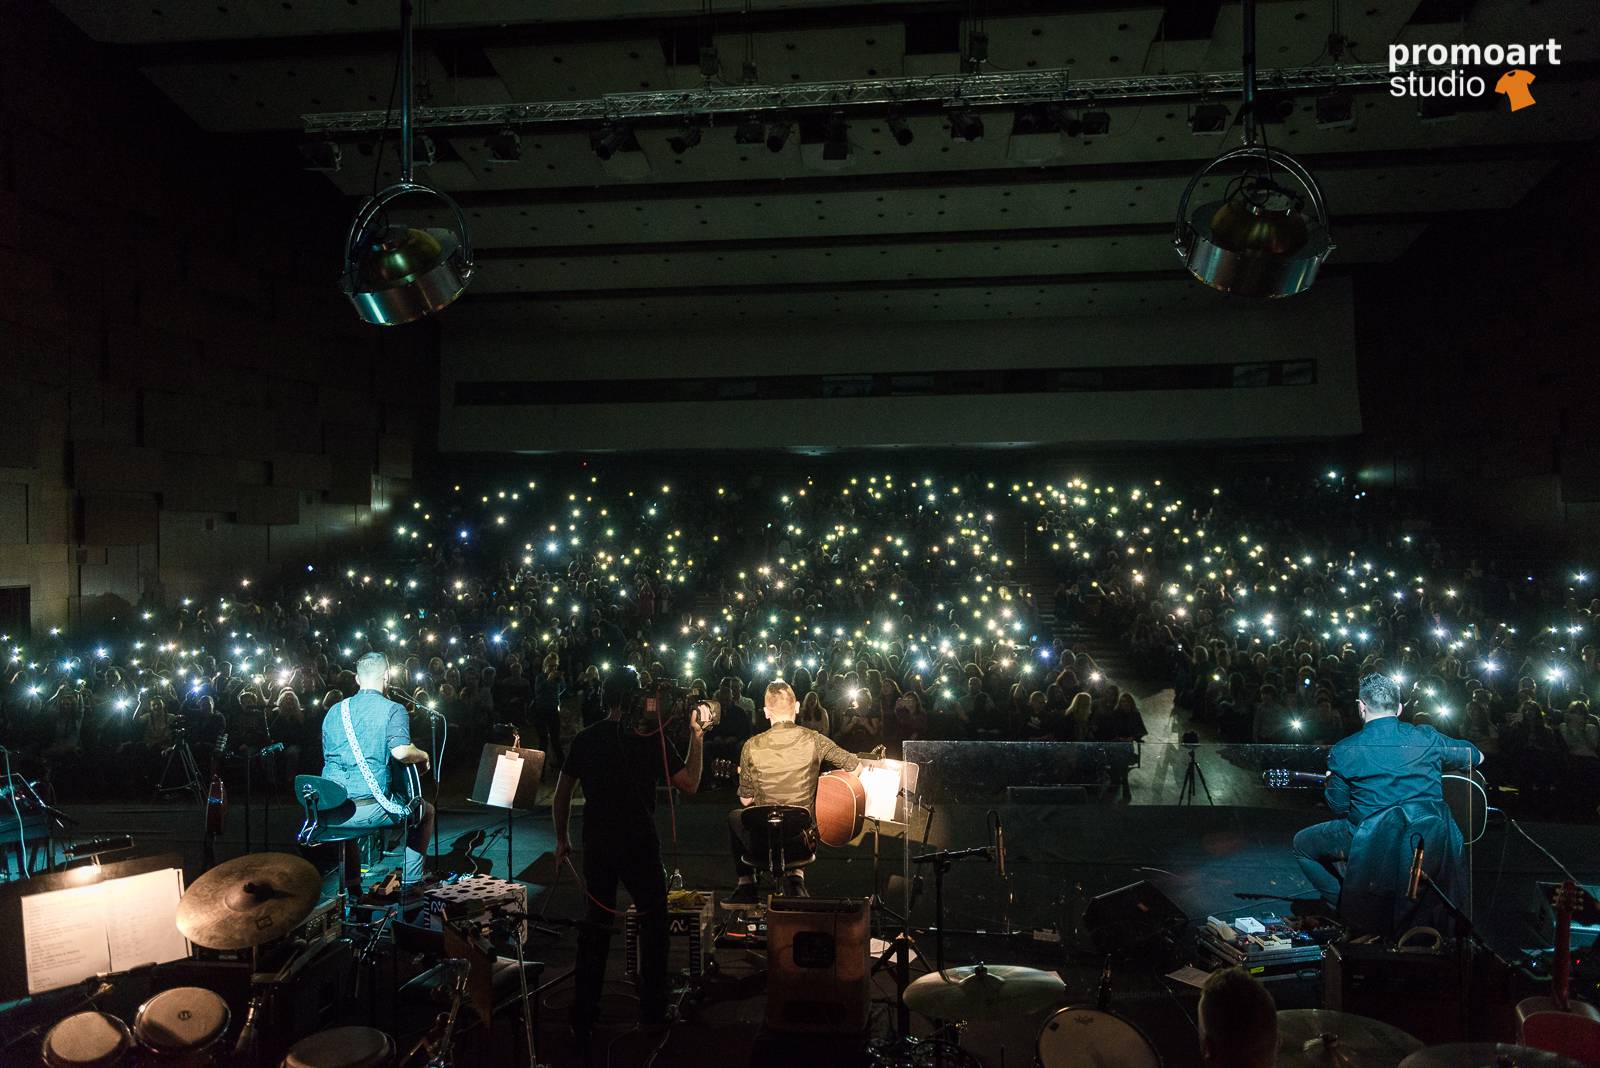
(965, 125)
(1263, 238)
(684, 139)
(393, 273)
(504, 145)
(778, 136)
(902, 132)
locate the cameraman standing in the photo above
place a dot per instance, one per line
(618, 761)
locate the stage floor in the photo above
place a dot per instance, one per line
(1201, 858)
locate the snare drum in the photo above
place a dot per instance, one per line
(342, 1047)
(1086, 1038)
(86, 1040)
(182, 1027)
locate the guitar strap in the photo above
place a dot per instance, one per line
(384, 801)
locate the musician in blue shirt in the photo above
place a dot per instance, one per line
(1386, 763)
(360, 735)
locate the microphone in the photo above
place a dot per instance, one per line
(951, 854)
(97, 846)
(275, 747)
(1414, 885)
(247, 1034)
(999, 846)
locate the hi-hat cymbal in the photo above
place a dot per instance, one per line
(1486, 1055)
(1313, 1038)
(984, 992)
(248, 901)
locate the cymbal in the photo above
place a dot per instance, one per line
(984, 992)
(249, 901)
(1312, 1038)
(1486, 1055)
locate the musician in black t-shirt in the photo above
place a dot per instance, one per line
(619, 761)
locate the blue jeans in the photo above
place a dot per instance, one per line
(1318, 848)
(373, 816)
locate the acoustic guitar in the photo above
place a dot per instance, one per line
(841, 807)
(1560, 1023)
(1467, 795)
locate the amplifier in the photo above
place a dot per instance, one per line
(1437, 996)
(689, 923)
(818, 969)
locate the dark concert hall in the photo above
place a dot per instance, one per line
(799, 534)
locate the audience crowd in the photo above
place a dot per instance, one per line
(897, 609)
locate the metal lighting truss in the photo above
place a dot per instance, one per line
(947, 90)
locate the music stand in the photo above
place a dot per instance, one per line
(887, 784)
(508, 778)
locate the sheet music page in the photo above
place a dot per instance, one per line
(507, 774)
(64, 934)
(141, 915)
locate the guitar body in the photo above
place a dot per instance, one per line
(841, 807)
(1557, 1023)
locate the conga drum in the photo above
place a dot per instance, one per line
(342, 1047)
(182, 1028)
(86, 1040)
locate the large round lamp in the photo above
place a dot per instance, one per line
(1264, 237)
(394, 273)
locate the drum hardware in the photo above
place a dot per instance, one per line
(183, 1027)
(1312, 1038)
(249, 901)
(1081, 1037)
(433, 1049)
(342, 1047)
(1486, 1055)
(88, 1039)
(984, 992)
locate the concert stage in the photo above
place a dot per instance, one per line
(1199, 857)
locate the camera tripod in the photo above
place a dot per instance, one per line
(1193, 774)
(180, 752)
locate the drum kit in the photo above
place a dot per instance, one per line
(243, 904)
(1081, 1036)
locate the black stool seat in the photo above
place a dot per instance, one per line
(781, 840)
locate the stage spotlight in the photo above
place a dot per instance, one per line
(778, 136)
(1267, 236)
(395, 273)
(1335, 109)
(684, 139)
(836, 144)
(750, 131)
(321, 156)
(1207, 119)
(1096, 123)
(504, 146)
(902, 132)
(965, 125)
(611, 139)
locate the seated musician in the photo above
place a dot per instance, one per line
(1386, 763)
(359, 737)
(779, 766)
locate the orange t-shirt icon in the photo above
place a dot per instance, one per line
(1514, 84)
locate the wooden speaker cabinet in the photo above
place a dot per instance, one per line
(817, 965)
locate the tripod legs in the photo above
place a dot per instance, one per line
(1192, 774)
(181, 752)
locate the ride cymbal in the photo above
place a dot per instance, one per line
(249, 901)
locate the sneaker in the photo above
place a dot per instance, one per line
(743, 894)
(794, 885)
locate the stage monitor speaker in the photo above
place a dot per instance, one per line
(817, 965)
(1437, 996)
(1132, 917)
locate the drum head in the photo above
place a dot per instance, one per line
(341, 1047)
(181, 1020)
(1087, 1038)
(86, 1040)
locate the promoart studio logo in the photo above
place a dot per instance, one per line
(1459, 80)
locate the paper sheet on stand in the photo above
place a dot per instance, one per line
(70, 935)
(507, 776)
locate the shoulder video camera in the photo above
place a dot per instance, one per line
(668, 698)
